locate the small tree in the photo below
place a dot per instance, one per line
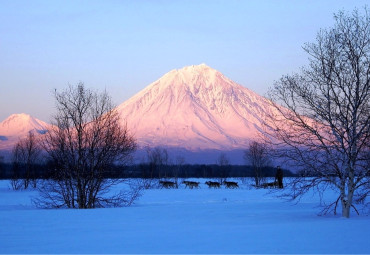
(257, 156)
(224, 165)
(158, 161)
(26, 154)
(176, 169)
(86, 140)
(323, 125)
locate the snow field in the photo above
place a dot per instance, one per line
(244, 220)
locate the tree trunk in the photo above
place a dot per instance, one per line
(346, 208)
(346, 201)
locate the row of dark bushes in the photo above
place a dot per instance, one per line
(45, 171)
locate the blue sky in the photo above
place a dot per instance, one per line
(123, 46)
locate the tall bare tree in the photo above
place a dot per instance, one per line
(323, 123)
(85, 142)
(257, 156)
(26, 154)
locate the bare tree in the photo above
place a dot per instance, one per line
(158, 161)
(224, 164)
(323, 123)
(26, 154)
(179, 163)
(257, 156)
(85, 142)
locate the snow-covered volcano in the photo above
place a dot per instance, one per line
(195, 108)
(17, 126)
(192, 109)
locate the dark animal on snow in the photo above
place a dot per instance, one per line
(168, 184)
(231, 185)
(270, 185)
(213, 184)
(190, 184)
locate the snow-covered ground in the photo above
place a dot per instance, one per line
(182, 220)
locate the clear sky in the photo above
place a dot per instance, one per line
(123, 46)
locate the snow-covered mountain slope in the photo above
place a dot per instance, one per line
(17, 126)
(196, 108)
(193, 108)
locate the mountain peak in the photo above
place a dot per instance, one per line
(201, 69)
(21, 123)
(201, 66)
(18, 117)
(195, 107)
(193, 78)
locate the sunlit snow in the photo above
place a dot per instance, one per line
(195, 107)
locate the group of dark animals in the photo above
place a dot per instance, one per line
(278, 183)
(229, 185)
(191, 184)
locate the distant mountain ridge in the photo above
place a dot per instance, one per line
(191, 110)
(17, 126)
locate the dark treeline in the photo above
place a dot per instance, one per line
(197, 171)
(46, 171)
(39, 171)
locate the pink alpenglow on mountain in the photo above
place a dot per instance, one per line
(192, 109)
(195, 108)
(17, 126)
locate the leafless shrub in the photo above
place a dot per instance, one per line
(26, 154)
(224, 165)
(257, 155)
(86, 140)
(157, 159)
